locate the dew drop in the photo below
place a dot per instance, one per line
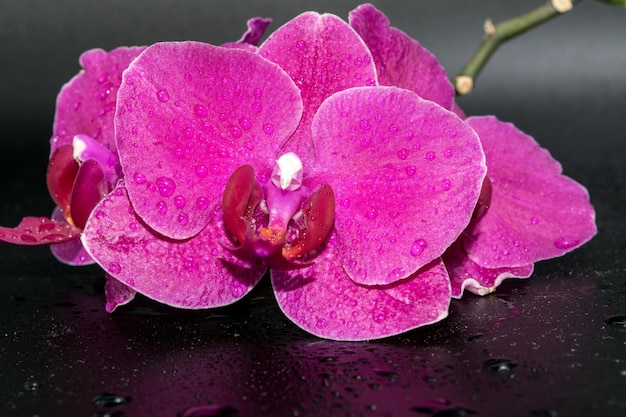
(534, 220)
(235, 132)
(371, 214)
(301, 45)
(430, 155)
(566, 243)
(245, 123)
(200, 110)
(139, 178)
(403, 154)
(499, 365)
(446, 185)
(163, 95)
(166, 186)
(201, 171)
(115, 268)
(110, 400)
(418, 247)
(379, 316)
(447, 153)
(257, 107)
(365, 124)
(183, 219)
(393, 128)
(258, 92)
(202, 203)
(161, 207)
(268, 128)
(617, 320)
(410, 170)
(179, 201)
(187, 76)
(321, 323)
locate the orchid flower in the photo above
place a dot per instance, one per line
(83, 165)
(530, 212)
(293, 159)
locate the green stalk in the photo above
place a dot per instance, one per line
(502, 32)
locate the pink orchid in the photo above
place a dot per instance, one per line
(532, 212)
(294, 159)
(83, 165)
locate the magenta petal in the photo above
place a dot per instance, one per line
(535, 212)
(71, 252)
(323, 55)
(194, 273)
(406, 175)
(39, 231)
(465, 274)
(256, 29)
(117, 294)
(189, 115)
(324, 301)
(400, 60)
(89, 188)
(86, 104)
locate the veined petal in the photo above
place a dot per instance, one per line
(535, 212)
(406, 175)
(86, 104)
(195, 273)
(34, 231)
(117, 294)
(400, 60)
(189, 115)
(323, 55)
(465, 274)
(324, 301)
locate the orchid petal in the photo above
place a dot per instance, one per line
(72, 251)
(256, 29)
(189, 115)
(34, 231)
(60, 176)
(406, 175)
(465, 274)
(535, 212)
(400, 60)
(324, 301)
(89, 188)
(86, 104)
(195, 273)
(323, 55)
(117, 294)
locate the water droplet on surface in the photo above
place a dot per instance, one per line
(209, 411)
(166, 186)
(161, 207)
(617, 320)
(179, 201)
(31, 385)
(115, 268)
(183, 219)
(418, 247)
(371, 214)
(301, 45)
(163, 95)
(379, 316)
(403, 154)
(139, 178)
(321, 323)
(499, 365)
(446, 185)
(430, 156)
(365, 124)
(410, 170)
(202, 203)
(110, 400)
(566, 243)
(268, 128)
(200, 110)
(534, 220)
(447, 153)
(201, 171)
(245, 123)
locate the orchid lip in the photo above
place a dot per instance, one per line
(281, 224)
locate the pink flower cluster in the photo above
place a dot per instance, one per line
(333, 154)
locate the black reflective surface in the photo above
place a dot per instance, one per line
(552, 345)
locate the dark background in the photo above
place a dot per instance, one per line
(538, 347)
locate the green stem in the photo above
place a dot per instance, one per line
(502, 32)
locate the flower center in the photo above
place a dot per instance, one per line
(282, 222)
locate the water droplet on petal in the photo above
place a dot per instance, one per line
(379, 316)
(268, 128)
(365, 124)
(418, 247)
(447, 153)
(566, 242)
(201, 171)
(139, 178)
(430, 155)
(258, 92)
(200, 110)
(301, 45)
(179, 201)
(321, 323)
(371, 214)
(446, 185)
(245, 123)
(534, 220)
(410, 170)
(183, 219)
(403, 154)
(115, 268)
(161, 207)
(166, 186)
(163, 95)
(202, 203)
